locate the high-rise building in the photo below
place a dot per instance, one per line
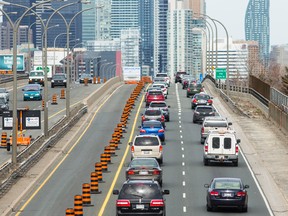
(68, 13)
(26, 21)
(124, 15)
(160, 36)
(279, 54)
(257, 26)
(96, 22)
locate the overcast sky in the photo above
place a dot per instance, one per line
(232, 14)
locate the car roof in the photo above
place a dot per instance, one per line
(158, 102)
(227, 178)
(154, 90)
(32, 85)
(202, 106)
(153, 121)
(144, 181)
(146, 135)
(215, 118)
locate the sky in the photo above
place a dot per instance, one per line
(232, 14)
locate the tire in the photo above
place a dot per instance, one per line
(168, 119)
(52, 86)
(244, 209)
(187, 95)
(65, 85)
(161, 160)
(163, 139)
(194, 121)
(209, 209)
(235, 163)
(24, 99)
(206, 162)
(202, 140)
(161, 183)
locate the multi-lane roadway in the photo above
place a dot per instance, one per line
(184, 172)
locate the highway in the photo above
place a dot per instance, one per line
(184, 172)
(55, 112)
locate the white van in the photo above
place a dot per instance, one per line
(221, 146)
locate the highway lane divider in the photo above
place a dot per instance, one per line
(98, 170)
(35, 151)
(70, 212)
(54, 99)
(86, 194)
(4, 139)
(78, 205)
(94, 183)
(62, 94)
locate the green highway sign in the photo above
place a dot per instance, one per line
(221, 73)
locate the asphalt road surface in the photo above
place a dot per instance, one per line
(184, 172)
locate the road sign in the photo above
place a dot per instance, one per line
(200, 77)
(221, 73)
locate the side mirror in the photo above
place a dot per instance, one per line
(139, 126)
(246, 186)
(206, 185)
(115, 192)
(41, 89)
(229, 123)
(23, 89)
(238, 141)
(169, 106)
(211, 97)
(130, 143)
(166, 192)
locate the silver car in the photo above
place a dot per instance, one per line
(4, 93)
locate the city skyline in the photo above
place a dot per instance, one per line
(233, 17)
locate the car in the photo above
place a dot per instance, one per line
(32, 92)
(178, 76)
(158, 79)
(186, 79)
(227, 192)
(213, 123)
(4, 106)
(193, 88)
(140, 197)
(144, 168)
(201, 99)
(201, 112)
(144, 146)
(154, 114)
(85, 76)
(36, 77)
(153, 127)
(163, 106)
(155, 95)
(59, 79)
(162, 87)
(150, 89)
(166, 77)
(221, 146)
(4, 93)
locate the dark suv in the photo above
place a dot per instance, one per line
(201, 112)
(178, 76)
(58, 80)
(140, 197)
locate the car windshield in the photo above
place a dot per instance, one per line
(36, 73)
(227, 184)
(161, 75)
(3, 90)
(204, 109)
(144, 190)
(2, 101)
(155, 92)
(194, 85)
(159, 86)
(150, 124)
(146, 141)
(216, 124)
(153, 112)
(31, 88)
(157, 105)
(85, 75)
(59, 77)
(159, 79)
(202, 97)
(150, 162)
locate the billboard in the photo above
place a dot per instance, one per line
(49, 70)
(6, 62)
(131, 73)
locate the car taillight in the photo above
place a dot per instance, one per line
(196, 112)
(209, 101)
(123, 203)
(214, 193)
(142, 131)
(161, 148)
(202, 130)
(237, 149)
(156, 172)
(132, 149)
(130, 172)
(188, 89)
(161, 131)
(241, 194)
(157, 203)
(194, 101)
(143, 118)
(162, 118)
(206, 148)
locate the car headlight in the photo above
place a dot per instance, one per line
(52, 81)
(3, 106)
(37, 94)
(64, 80)
(25, 94)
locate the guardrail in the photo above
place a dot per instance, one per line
(32, 154)
(9, 78)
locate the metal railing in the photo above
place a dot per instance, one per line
(279, 99)
(9, 78)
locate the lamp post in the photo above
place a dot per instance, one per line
(211, 41)
(76, 71)
(99, 72)
(54, 64)
(15, 30)
(103, 65)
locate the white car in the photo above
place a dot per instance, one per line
(166, 77)
(4, 93)
(163, 88)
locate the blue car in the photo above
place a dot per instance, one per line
(153, 127)
(32, 92)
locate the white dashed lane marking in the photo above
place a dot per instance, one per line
(184, 209)
(183, 183)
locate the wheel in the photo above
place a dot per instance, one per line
(24, 99)
(187, 95)
(206, 162)
(52, 86)
(161, 160)
(202, 140)
(209, 209)
(65, 85)
(235, 163)
(161, 183)
(163, 139)
(192, 107)
(194, 121)
(168, 119)
(244, 208)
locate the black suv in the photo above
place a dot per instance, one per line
(201, 112)
(178, 76)
(140, 197)
(58, 80)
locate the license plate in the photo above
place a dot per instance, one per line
(202, 101)
(146, 152)
(227, 195)
(139, 206)
(31, 96)
(143, 173)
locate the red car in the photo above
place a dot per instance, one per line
(154, 95)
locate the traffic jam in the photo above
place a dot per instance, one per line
(142, 192)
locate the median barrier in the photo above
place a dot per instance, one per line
(4, 139)
(98, 170)
(86, 194)
(94, 186)
(78, 205)
(62, 94)
(70, 212)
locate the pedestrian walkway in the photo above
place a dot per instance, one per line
(266, 149)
